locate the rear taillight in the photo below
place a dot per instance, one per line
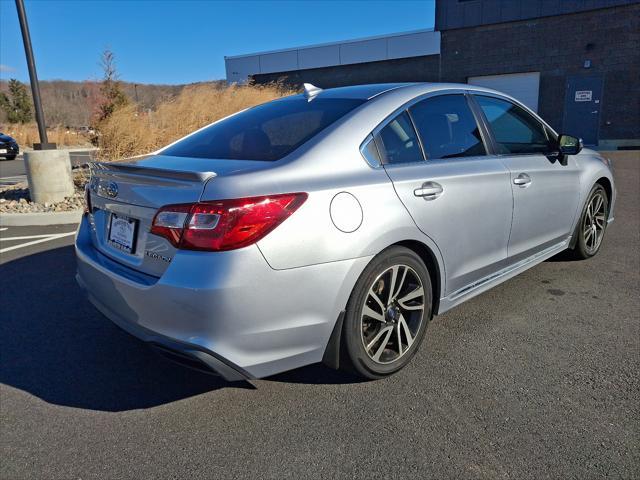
(169, 222)
(224, 224)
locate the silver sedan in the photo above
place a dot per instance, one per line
(332, 225)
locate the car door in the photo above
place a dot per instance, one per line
(545, 190)
(457, 194)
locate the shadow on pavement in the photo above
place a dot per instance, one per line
(316, 374)
(564, 256)
(56, 346)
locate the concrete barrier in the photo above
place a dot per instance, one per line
(49, 175)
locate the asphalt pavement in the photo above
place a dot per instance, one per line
(13, 171)
(537, 378)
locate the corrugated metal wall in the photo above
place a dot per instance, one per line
(404, 45)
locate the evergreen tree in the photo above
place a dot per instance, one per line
(17, 104)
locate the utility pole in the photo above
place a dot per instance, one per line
(33, 76)
(48, 169)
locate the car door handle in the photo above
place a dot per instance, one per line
(522, 180)
(429, 190)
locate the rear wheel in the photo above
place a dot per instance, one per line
(387, 313)
(592, 224)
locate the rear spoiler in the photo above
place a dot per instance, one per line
(128, 169)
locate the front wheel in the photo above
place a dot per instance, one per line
(387, 313)
(592, 224)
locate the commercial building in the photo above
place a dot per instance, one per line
(576, 62)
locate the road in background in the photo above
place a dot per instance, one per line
(13, 171)
(537, 378)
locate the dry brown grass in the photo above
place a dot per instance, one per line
(27, 134)
(129, 132)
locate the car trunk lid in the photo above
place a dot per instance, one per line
(125, 197)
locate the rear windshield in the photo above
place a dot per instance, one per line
(266, 132)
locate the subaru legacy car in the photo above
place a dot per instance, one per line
(331, 226)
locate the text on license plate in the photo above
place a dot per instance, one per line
(122, 233)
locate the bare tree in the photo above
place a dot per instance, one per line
(111, 88)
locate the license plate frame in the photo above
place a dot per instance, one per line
(3, 150)
(127, 229)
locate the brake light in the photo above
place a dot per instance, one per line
(224, 224)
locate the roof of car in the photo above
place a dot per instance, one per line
(366, 92)
(363, 92)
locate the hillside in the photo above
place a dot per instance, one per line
(68, 103)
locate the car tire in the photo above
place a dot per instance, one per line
(387, 313)
(591, 227)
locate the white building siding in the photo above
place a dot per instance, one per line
(319, 56)
(521, 86)
(402, 45)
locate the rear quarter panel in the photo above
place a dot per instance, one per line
(310, 236)
(327, 165)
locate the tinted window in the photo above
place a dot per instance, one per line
(514, 129)
(399, 142)
(266, 132)
(447, 127)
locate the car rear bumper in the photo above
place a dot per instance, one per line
(189, 354)
(11, 151)
(227, 310)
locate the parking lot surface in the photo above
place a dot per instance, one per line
(537, 378)
(14, 171)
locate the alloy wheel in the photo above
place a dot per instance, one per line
(392, 314)
(594, 223)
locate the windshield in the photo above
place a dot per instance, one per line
(266, 132)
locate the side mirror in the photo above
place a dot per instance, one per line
(569, 145)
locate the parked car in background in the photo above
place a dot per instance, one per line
(8, 147)
(332, 225)
(86, 130)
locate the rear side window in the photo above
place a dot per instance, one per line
(514, 129)
(447, 127)
(399, 142)
(266, 132)
(370, 152)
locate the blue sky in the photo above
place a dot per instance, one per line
(182, 41)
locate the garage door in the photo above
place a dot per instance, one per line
(521, 86)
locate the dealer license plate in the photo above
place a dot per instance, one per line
(122, 233)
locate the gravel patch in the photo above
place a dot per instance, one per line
(16, 199)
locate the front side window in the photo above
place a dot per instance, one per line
(514, 129)
(447, 127)
(266, 132)
(398, 141)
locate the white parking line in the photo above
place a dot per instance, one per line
(40, 239)
(29, 237)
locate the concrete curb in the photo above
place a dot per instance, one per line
(39, 218)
